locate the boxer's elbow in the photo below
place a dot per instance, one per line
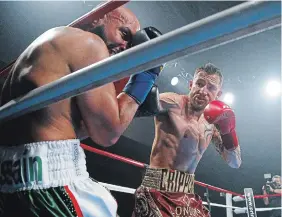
(232, 157)
(232, 161)
(108, 142)
(235, 164)
(113, 140)
(106, 137)
(114, 133)
(105, 141)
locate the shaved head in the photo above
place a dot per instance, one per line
(121, 15)
(116, 28)
(124, 16)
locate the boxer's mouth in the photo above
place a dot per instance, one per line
(200, 99)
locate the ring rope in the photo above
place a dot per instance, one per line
(122, 189)
(245, 23)
(142, 165)
(267, 195)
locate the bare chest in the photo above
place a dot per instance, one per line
(194, 134)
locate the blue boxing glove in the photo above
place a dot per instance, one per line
(139, 85)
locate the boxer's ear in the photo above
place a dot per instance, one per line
(190, 84)
(219, 94)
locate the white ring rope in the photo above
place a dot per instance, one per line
(221, 28)
(132, 191)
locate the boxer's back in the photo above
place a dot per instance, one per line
(44, 61)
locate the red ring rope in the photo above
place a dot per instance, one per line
(114, 156)
(95, 14)
(142, 165)
(267, 195)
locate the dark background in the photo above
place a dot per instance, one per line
(247, 65)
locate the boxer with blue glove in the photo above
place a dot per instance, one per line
(43, 167)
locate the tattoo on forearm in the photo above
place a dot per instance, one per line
(217, 141)
(229, 156)
(208, 132)
(218, 145)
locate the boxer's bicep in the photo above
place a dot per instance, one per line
(98, 107)
(105, 115)
(100, 112)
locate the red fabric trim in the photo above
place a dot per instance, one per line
(74, 201)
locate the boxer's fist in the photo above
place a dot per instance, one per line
(139, 85)
(220, 114)
(151, 106)
(145, 35)
(223, 117)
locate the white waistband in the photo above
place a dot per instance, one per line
(41, 165)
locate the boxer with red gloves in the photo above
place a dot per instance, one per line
(223, 117)
(185, 125)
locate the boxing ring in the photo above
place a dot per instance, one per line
(229, 195)
(233, 24)
(224, 27)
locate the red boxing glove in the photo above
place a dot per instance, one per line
(221, 115)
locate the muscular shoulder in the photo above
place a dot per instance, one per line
(170, 100)
(80, 48)
(72, 38)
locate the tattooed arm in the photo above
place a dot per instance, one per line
(232, 157)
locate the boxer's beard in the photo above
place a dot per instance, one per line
(100, 31)
(195, 106)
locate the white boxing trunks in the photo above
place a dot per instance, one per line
(50, 179)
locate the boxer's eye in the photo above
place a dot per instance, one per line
(125, 33)
(200, 84)
(212, 87)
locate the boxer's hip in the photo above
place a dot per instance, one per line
(168, 180)
(50, 179)
(168, 193)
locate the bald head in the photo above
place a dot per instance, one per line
(116, 29)
(124, 16)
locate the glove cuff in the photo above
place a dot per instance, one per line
(140, 85)
(230, 140)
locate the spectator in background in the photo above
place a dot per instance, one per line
(273, 187)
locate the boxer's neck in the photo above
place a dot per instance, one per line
(190, 112)
(99, 30)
